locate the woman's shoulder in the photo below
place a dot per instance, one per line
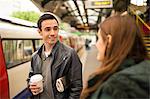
(130, 82)
(136, 69)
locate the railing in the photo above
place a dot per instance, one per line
(146, 36)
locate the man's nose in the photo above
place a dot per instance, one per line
(52, 32)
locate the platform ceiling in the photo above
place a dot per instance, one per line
(74, 12)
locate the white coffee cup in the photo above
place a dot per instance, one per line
(37, 79)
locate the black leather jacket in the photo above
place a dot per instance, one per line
(65, 62)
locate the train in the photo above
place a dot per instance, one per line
(18, 41)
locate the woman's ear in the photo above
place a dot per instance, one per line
(109, 39)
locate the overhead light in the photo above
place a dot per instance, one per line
(80, 5)
(84, 19)
(85, 24)
(79, 18)
(139, 2)
(71, 4)
(93, 18)
(91, 12)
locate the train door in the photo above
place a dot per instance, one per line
(4, 87)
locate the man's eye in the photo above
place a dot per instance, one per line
(55, 28)
(47, 29)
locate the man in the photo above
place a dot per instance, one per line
(120, 7)
(57, 63)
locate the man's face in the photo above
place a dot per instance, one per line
(49, 31)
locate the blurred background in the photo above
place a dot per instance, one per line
(79, 20)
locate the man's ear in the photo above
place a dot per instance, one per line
(109, 39)
(39, 31)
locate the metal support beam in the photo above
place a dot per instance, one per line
(99, 17)
(85, 10)
(75, 2)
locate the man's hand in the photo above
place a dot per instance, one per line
(34, 88)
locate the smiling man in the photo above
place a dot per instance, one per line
(57, 63)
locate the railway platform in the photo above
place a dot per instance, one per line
(90, 63)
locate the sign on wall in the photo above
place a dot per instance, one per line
(99, 4)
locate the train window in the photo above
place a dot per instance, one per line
(27, 49)
(17, 51)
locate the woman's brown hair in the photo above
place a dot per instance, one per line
(126, 43)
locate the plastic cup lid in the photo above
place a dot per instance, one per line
(36, 78)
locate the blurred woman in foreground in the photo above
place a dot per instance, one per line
(124, 72)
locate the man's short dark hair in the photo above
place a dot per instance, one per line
(45, 17)
(121, 5)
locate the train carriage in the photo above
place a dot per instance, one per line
(17, 45)
(18, 41)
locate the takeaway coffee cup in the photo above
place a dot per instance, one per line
(38, 80)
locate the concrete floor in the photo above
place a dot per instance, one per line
(90, 63)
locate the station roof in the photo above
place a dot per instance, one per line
(78, 13)
(81, 14)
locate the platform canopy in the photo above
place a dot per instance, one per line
(81, 14)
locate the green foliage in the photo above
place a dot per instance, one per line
(26, 15)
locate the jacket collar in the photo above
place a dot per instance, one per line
(126, 63)
(53, 50)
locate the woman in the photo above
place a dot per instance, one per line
(124, 72)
